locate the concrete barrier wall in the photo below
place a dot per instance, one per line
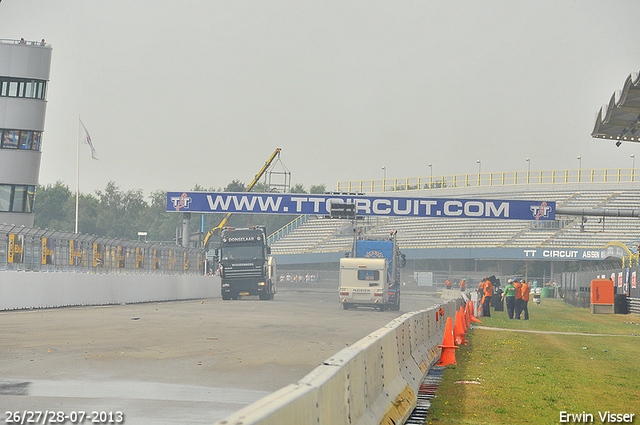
(374, 381)
(20, 290)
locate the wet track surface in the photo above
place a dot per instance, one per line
(175, 362)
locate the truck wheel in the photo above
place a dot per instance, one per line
(226, 297)
(264, 297)
(381, 307)
(345, 306)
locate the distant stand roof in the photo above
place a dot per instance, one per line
(620, 119)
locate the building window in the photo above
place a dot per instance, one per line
(5, 197)
(20, 87)
(35, 141)
(20, 139)
(10, 139)
(13, 89)
(17, 198)
(31, 197)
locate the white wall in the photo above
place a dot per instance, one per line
(19, 290)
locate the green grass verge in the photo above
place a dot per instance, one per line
(529, 378)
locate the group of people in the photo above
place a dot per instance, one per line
(516, 295)
(463, 284)
(299, 278)
(485, 288)
(23, 41)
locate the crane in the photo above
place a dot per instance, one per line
(274, 155)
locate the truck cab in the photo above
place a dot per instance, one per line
(246, 268)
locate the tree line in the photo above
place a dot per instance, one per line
(120, 214)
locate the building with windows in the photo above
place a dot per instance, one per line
(24, 75)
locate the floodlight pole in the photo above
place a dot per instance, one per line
(579, 168)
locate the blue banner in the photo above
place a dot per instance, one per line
(387, 206)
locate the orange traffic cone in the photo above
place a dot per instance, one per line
(458, 330)
(448, 354)
(463, 317)
(473, 318)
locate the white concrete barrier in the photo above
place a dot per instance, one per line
(20, 290)
(375, 381)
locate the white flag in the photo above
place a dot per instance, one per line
(86, 139)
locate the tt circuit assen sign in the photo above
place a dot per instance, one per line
(388, 206)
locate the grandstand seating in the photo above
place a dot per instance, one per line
(327, 235)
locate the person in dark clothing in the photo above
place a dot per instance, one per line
(509, 295)
(488, 293)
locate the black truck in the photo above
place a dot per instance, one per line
(246, 266)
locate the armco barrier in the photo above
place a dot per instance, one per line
(375, 381)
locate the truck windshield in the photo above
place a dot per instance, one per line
(242, 252)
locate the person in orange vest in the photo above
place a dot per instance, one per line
(525, 300)
(518, 285)
(447, 284)
(488, 293)
(480, 296)
(463, 284)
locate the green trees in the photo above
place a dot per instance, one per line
(318, 189)
(115, 213)
(55, 207)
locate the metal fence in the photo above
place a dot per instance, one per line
(577, 286)
(624, 280)
(546, 177)
(43, 250)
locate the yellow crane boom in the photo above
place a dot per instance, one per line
(274, 155)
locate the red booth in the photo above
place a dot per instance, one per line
(602, 296)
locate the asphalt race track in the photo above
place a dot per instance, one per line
(175, 362)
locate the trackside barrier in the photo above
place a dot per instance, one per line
(374, 381)
(23, 290)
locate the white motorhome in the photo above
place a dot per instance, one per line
(364, 282)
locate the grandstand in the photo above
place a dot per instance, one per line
(466, 238)
(321, 234)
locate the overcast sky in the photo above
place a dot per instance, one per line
(178, 93)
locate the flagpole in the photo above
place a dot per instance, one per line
(77, 172)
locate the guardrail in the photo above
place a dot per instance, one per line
(374, 381)
(620, 175)
(287, 228)
(22, 41)
(43, 250)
